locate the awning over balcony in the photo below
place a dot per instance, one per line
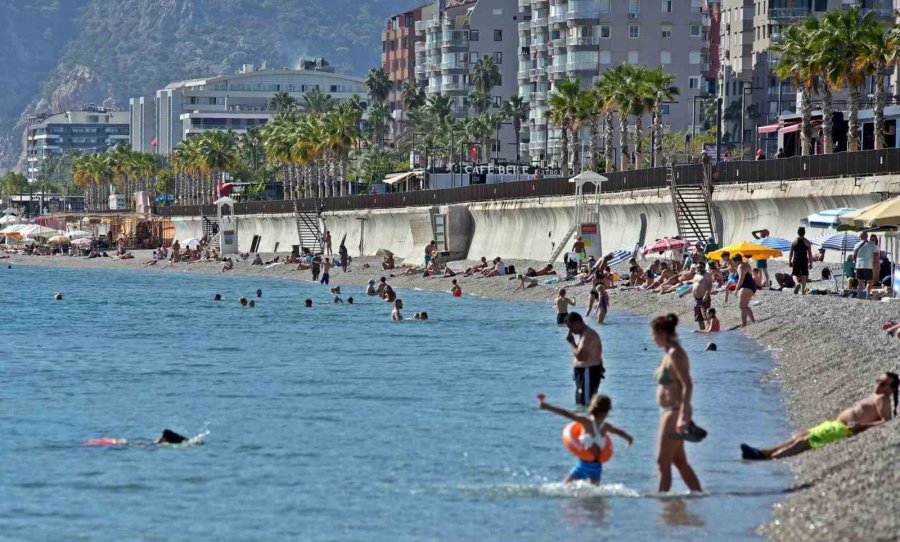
(767, 129)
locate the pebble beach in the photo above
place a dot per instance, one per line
(828, 351)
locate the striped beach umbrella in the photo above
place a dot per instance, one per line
(843, 242)
(826, 219)
(618, 256)
(664, 244)
(777, 243)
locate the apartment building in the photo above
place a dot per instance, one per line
(398, 58)
(748, 29)
(453, 39)
(92, 129)
(580, 39)
(142, 116)
(237, 102)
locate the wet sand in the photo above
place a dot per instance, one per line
(829, 352)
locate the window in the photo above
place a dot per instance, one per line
(473, 35)
(604, 6)
(498, 35)
(211, 101)
(695, 30)
(667, 6)
(498, 58)
(665, 57)
(634, 31)
(496, 101)
(633, 57)
(666, 30)
(694, 57)
(694, 82)
(634, 7)
(605, 57)
(498, 12)
(665, 109)
(605, 31)
(473, 57)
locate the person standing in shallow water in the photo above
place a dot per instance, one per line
(674, 392)
(587, 358)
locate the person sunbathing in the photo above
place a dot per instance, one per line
(229, 265)
(482, 265)
(865, 414)
(545, 271)
(525, 282)
(388, 262)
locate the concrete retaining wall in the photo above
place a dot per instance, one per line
(528, 228)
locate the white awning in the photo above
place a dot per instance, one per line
(394, 178)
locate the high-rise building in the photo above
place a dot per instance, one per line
(580, 39)
(238, 102)
(92, 129)
(398, 58)
(748, 28)
(142, 116)
(452, 40)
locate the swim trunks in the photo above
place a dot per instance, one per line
(587, 470)
(324, 278)
(561, 318)
(698, 309)
(827, 432)
(587, 382)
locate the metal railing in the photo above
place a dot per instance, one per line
(844, 164)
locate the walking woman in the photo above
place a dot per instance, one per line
(673, 394)
(746, 287)
(800, 260)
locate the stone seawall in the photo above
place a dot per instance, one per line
(528, 229)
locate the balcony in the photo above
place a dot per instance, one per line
(538, 3)
(789, 13)
(537, 73)
(557, 19)
(524, 4)
(455, 44)
(525, 26)
(539, 96)
(558, 43)
(539, 47)
(581, 66)
(454, 67)
(455, 87)
(420, 27)
(583, 16)
(557, 69)
(431, 24)
(583, 41)
(433, 89)
(419, 47)
(538, 22)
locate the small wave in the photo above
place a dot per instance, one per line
(559, 490)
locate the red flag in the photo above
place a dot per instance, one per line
(473, 153)
(153, 143)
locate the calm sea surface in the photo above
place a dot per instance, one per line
(333, 423)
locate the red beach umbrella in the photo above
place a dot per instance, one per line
(664, 244)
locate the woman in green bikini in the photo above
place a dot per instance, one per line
(673, 394)
(866, 413)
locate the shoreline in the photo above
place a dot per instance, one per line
(828, 352)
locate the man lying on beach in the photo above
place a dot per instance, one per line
(867, 413)
(481, 266)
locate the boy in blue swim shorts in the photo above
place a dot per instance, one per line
(594, 429)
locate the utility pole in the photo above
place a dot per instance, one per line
(718, 130)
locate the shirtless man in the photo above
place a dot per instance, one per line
(395, 314)
(382, 284)
(587, 358)
(562, 306)
(701, 287)
(870, 412)
(675, 281)
(478, 267)
(665, 275)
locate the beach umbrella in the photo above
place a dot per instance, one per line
(777, 243)
(664, 244)
(192, 242)
(12, 235)
(59, 240)
(843, 242)
(618, 256)
(826, 219)
(747, 250)
(886, 213)
(9, 219)
(81, 242)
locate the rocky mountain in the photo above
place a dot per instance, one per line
(58, 54)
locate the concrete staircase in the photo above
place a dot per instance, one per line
(693, 208)
(308, 231)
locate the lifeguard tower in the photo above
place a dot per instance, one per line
(587, 216)
(228, 234)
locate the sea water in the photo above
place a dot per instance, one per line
(334, 423)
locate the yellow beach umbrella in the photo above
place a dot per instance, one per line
(747, 250)
(58, 240)
(886, 213)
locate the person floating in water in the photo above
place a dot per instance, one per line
(865, 414)
(170, 437)
(593, 436)
(167, 437)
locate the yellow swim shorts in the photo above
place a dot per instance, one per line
(827, 432)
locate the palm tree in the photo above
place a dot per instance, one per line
(621, 85)
(379, 85)
(479, 101)
(343, 133)
(316, 102)
(218, 155)
(378, 119)
(604, 97)
(516, 109)
(822, 61)
(282, 102)
(662, 89)
(412, 95)
(563, 108)
(485, 75)
(797, 64)
(878, 52)
(846, 29)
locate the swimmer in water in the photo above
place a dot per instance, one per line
(595, 428)
(456, 290)
(395, 314)
(170, 437)
(58, 296)
(712, 323)
(243, 301)
(217, 297)
(307, 303)
(252, 303)
(350, 300)
(259, 293)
